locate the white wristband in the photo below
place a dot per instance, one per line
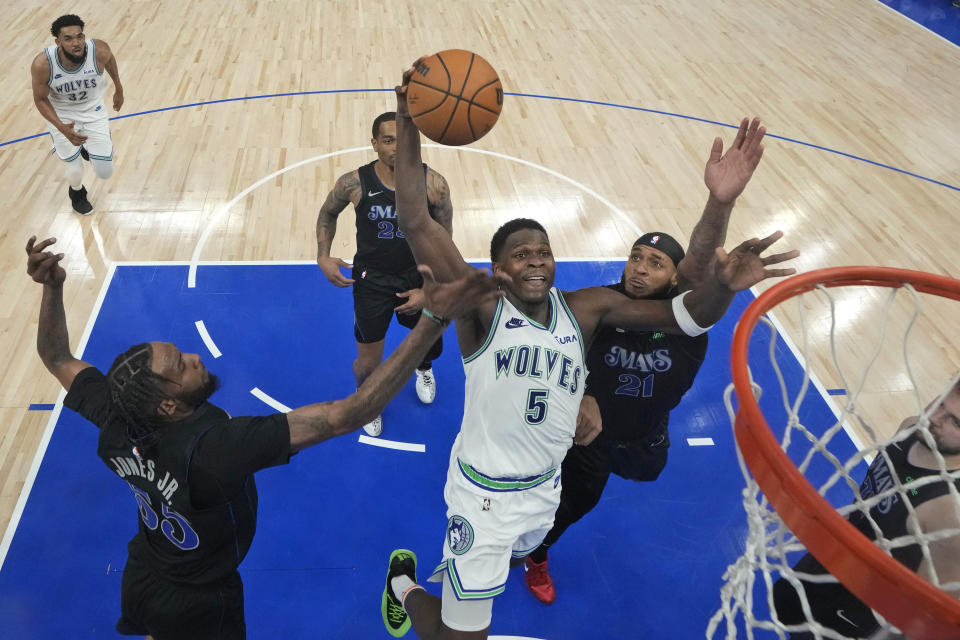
(684, 320)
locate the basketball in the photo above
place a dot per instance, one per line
(454, 97)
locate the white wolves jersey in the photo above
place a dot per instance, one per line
(78, 92)
(523, 391)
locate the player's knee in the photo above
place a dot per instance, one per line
(574, 507)
(364, 365)
(74, 171)
(103, 168)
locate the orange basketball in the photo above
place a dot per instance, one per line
(454, 97)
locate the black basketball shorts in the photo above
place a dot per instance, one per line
(375, 298)
(167, 610)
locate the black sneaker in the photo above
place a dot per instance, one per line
(78, 198)
(402, 562)
(84, 154)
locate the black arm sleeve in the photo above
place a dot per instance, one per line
(89, 396)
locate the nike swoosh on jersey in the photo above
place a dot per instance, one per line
(845, 618)
(370, 194)
(514, 323)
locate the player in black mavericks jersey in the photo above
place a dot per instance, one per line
(911, 459)
(190, 465)
(637, 378)
(385, 278)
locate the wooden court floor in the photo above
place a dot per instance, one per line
(620, 104)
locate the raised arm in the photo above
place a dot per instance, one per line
(430, 242)
(318, 422)
(345, 191)
(108, 62)
(692, 312)
(53, 341)
(726, 175)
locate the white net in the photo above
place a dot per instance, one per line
(890, 360)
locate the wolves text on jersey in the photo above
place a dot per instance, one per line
(72, 86)
(539, 362)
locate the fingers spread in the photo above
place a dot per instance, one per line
(43, 244)
(747, 245)
(778, 273)
(763, 245)
(780, 257)
(741, 134)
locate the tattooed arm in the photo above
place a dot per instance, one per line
(344, 192)
(438, 200)
(315, 423)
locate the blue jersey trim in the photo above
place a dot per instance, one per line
(49, 66)
(93, 52)
(576, 325)
(493, 330)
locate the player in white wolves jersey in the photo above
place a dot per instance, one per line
(524, 362)
(68, 87)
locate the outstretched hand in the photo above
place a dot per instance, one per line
(457, 298)
(727, 174)
(44, 266)
(744, 267)
(401, 89)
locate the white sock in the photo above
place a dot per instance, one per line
(403, 585)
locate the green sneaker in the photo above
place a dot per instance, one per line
(402, 562)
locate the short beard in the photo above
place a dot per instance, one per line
(72, 58)
(947, 451)
(202, 393)
(941, 449)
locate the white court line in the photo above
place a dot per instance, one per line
(377, 442)
(919, 24)
(392, 444)
(207, 340)
(700, 442)
(51, 423)
(267, 400)
(192, 275)
(215, 219)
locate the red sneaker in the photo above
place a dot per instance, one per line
(538, 580)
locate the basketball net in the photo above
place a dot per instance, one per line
(803, 473)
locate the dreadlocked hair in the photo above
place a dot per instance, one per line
(136, 392)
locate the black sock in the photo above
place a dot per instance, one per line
(539, 554)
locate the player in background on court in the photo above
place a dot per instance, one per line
(190, 465)
(637, 378)
(911, 458)
(385, 277)
(524, 361)
(68, 88)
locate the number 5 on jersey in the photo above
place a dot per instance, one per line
(537, 407)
